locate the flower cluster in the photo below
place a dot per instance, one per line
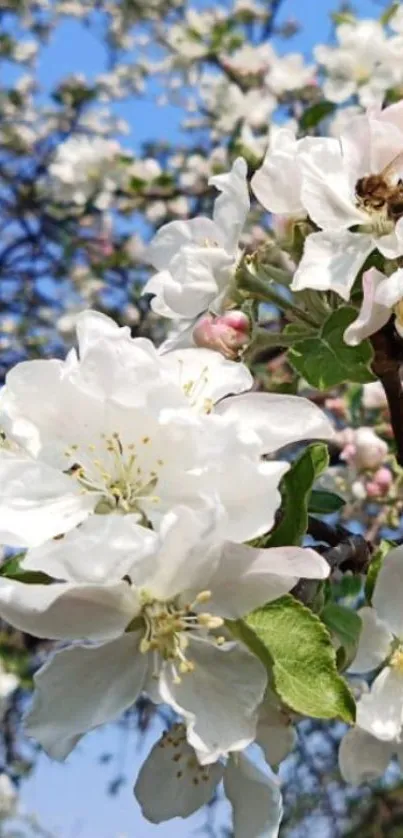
(134, 479)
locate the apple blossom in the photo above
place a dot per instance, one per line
(85, 168)
(196, 259)
(380, 711)
(124, 430)
(361, 64)
(155, 620)
(331, 173)
(185, 786)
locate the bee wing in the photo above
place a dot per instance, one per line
(394, 169)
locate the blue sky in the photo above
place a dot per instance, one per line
(71, 799)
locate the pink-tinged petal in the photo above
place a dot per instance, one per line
(219, 699)
(374, 643)
(37, 502)
(278, 420)
(82, 688)
(183, 785)
(68, 612)
(255, 797)
(373, 314)
(247, 577)
(362, 757)
(388, 594)
(331, 261)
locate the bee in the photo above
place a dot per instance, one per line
(379, 192)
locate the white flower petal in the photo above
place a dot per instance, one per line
(326, 191)
(219, 699)
(183, 785)
(278, 420)
(255, 798)
(388, 594)
(379, 712)
(390, 291)
(206, 375)
(84, 687)
(37, 502)
(63, 611)
(374, 643)
(171, 237)
(277, 184)
(247, 577)
(373, 314)
(182, 559)
(331, 261)
(249, 493)
(362, 757)
(232, 206)
(93, 326)
(274, 734)
(101, 550)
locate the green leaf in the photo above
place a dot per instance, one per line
(325, 360)
(376, 563)
(345, 625)
(296, 488)
(314, 115)
(243, 632)
(304, 660)
(11, 569)
(324, 503)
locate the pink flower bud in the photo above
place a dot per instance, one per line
(348, 453)
(384, 478)
(372, 489)
(227, 334)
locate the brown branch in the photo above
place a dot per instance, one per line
(388, 349)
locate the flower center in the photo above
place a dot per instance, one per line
(175, 741)
(123, 475)
(193, 389)
(396, 661)
(167, 628)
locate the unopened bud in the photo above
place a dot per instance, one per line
(228, 334)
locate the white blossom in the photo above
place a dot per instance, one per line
(360, 64)
(196, 259)
(123, 430)
(157, 622)
(86, 168)
(380, 711)
(185, 785)
(331, 174)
